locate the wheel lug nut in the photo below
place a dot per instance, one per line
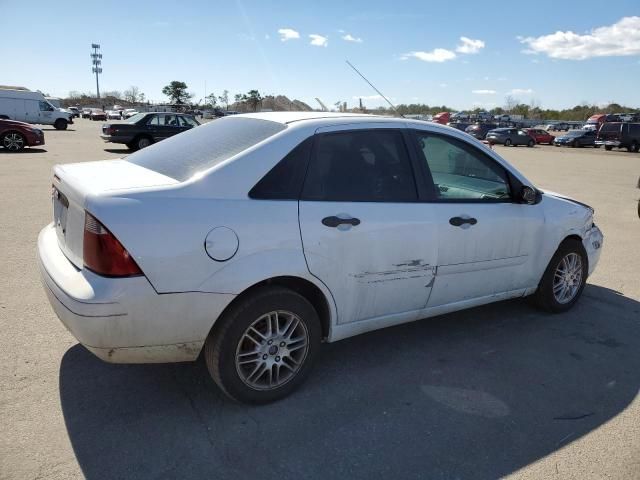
(282, 344)
(269, 342)
(277, 359)
(264, 357)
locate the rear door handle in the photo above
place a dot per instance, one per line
(334, 221)
(459, 221)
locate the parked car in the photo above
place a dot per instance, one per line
(143, 129)
(540, 136)
(97, 114)
(14, 136)
(558, 127)
(31, 107)
(509, 136)
(462, 126)
(75, 112)
(577, 138)
(113, 115)
(442, 118)
(619, 135)
(480, 130)
(86, 113)
(257, 237)
(129, 112)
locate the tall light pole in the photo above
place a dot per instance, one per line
(96, 61)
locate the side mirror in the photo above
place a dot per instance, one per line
(528, 195)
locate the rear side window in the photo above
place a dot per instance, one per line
(284, 181)
(201, 148)
(360, 166)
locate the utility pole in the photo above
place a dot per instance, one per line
(96, 61)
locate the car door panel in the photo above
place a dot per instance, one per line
(486, 243)
(375, 249)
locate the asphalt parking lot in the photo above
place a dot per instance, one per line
(497, 391)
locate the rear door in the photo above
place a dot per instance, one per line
(486, 242)
(365, 234)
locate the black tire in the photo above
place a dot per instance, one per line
(13, 141)
(531, 143)
(225, 338)
(507, 142)
(575, 144)
(131, 146)
(60, 124)
(608, 148)
(633, 147)
(142, 142)
(544, 297)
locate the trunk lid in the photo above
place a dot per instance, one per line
(73, 183)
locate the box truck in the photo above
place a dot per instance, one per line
(26, 106)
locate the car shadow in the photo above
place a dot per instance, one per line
(118, 150)
(475, 394)
(24, 151)
(56, 130)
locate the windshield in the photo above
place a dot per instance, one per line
(575, 133)
(203, 147)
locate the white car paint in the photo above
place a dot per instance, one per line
(403, 263)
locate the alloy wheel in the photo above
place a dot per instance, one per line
(13, 142)
(272, 350)
(567, 278)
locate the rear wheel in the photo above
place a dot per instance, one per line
(564, 279)
(608, 148)
(531, 143)
(575, 144)
(507, 142)
(143, 142)
(633, 147)
(60, 124)
(262, 349)
(13, 141)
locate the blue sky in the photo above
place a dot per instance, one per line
(556, 53)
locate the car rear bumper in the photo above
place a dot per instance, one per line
(609, 143)
(592, 243)
(124, 320)
(115, 139)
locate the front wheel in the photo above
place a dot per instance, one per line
(13, 141)
(507, 142)
(574, 144)
(262, 349)
(530, 144)
(633, 147)
(60, 124)
(608, 148)
(143, 142)
(564, 279)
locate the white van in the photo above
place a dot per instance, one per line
(31, 107)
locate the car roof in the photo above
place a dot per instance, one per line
(290, 117)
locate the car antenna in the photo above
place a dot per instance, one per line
(372, 86)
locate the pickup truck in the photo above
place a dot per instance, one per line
(143, 129)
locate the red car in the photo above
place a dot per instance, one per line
(540, 136)
(14, 136)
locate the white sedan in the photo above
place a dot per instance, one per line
(113, 114)
(257, 237)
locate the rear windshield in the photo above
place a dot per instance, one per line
(203, 147)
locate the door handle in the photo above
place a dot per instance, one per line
(334, 221)
(459, 221)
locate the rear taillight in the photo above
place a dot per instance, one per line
(103, 253)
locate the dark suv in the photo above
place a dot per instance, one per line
(620, 135)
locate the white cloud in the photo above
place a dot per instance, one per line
(318, 40)
(484, 92)
(620, 39)
(350, 38)
(437, 55)
(288, 34)
(521, 91)
(368, 97)
(469, 45)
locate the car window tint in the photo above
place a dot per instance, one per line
(461, 172)
(284, 181)
(360, 166)
(153, 120)
(198, 149)
(170, 121)
(187, 122)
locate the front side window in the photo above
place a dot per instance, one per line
(45, 106)
(360, 166)
(170, 121)
(461, 172)
(153, 120)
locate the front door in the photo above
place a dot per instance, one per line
(486, 241)
(365, 236)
